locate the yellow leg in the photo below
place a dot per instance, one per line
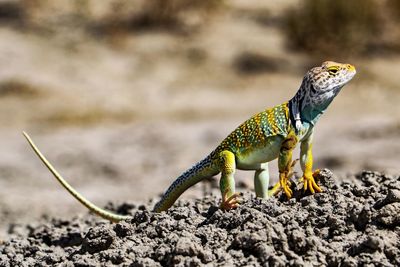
(230, 199)
(286, 164)
(306, 164)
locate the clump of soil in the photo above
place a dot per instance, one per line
(351, 223)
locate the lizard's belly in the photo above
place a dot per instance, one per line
(252, 158)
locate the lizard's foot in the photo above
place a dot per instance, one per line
(275, 190)
(285, 184)
(229, 202)
(284, 181)
(310, 184)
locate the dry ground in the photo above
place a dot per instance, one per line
(121, 117)
(351, 223)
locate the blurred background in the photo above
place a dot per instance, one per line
(123, 96)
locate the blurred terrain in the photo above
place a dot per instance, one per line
(123, 97)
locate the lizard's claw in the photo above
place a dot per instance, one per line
(229, 202)
(310, 184)
(285, 184)
(282, 185)
(274, 190)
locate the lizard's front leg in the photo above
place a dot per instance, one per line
(227, 165)
(285, 164)
(306, 162)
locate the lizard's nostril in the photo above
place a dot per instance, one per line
(350, 67)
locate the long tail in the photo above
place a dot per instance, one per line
(192, 176)
(92, 207)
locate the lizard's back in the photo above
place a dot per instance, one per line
(258, 139)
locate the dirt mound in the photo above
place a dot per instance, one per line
(357, 221)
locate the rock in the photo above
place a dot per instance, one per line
(98, 239)
(389, 215)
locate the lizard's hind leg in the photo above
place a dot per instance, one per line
(261, 181)
(227, 165)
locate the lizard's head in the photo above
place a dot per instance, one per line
(320, 86)
(330, 76)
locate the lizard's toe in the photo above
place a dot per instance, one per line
(288, 191)
(285, 185)
(275, 189)
(230, 202)
(310, 184)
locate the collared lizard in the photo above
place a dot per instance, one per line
(270, 134)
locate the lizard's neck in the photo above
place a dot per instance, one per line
(311, 114)
(305, 111)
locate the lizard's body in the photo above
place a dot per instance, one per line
(270, 134)
(254, 143)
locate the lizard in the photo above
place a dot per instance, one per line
(270, 134)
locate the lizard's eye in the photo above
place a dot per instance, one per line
(333, 71)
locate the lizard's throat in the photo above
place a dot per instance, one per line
(311, 114)
(307, 111)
